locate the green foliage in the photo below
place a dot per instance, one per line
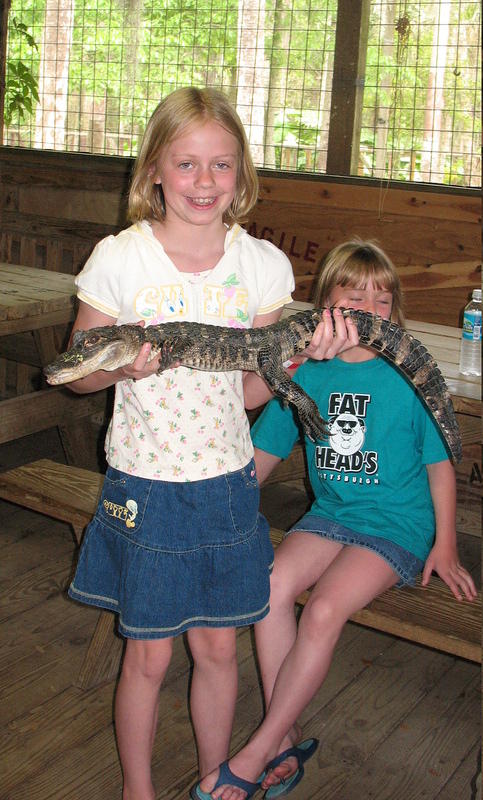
(128, 54)
(397, 84)
(21, 88)
(296, 129)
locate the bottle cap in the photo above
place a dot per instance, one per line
(477, 294)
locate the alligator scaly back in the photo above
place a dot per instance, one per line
(411, 357)
(262, 350)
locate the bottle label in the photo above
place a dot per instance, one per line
(472, 326)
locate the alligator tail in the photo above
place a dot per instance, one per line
(410, 356)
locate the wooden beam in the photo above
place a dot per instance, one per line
(347, 86)
(38, 411)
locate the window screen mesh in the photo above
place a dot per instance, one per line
(85, 75)
(421, 110)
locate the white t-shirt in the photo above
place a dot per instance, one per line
(184, 424)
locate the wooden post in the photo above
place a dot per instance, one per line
(348, 86)
(4, 11)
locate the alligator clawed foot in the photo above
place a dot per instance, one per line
(316, 432)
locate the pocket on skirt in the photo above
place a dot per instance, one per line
(244, 499)
(123, 502)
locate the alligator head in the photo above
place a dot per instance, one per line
(98, 348)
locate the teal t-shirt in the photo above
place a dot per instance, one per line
(370, 474)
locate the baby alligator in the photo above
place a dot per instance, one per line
(261, 350)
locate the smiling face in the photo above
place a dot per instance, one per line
(198, 174)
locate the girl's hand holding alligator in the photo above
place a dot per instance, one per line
(142, 366)
(327, 343)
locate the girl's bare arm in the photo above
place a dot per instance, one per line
(264, 463)
(443, 557)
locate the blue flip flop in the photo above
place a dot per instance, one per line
(226, 776)
(302, 752)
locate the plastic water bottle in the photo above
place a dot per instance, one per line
(470, 356)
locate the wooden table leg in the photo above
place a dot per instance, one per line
(102, 660)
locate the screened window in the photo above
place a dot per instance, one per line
(85, 75)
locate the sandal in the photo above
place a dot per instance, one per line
(302, 752)
(226, 776)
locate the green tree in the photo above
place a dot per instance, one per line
(21, 88)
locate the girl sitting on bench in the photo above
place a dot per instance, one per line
(384, 511)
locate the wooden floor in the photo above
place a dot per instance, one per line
(396, 721)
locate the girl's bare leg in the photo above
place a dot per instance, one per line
(299, 562)
(136, 712)
(213, 693)
(351, 580)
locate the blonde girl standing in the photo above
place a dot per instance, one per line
(177, 544)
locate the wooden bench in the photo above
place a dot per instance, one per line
(429, 616)
(69, 494)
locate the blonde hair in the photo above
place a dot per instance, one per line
(354, 263)
(175, 113)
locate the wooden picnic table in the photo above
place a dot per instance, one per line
(36, 308)
(32, 302)
(444, 342)
(34, 299)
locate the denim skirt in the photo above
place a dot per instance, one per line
(406, 565)
(171, 556)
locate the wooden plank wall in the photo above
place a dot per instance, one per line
(54, 207)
